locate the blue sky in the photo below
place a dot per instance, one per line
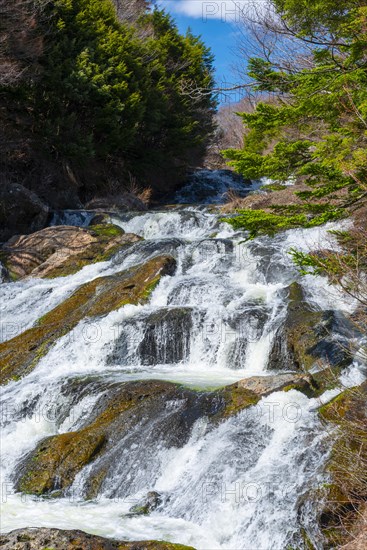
(215, 21)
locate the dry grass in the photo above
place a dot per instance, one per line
(144, 195)
(264, 200)
(233, 201)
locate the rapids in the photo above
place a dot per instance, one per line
(237, 485)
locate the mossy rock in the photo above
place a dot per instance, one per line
(63, 250)
(346, 493)
(105, 230)
(236, 399)
(335, 410)
(307, 337)
(67, 454)
(54, 463)
(98, 297)
(324, 380)
(59, 539)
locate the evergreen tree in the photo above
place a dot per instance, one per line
(315, 130)
(109, 92)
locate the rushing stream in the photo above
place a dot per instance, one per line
(234, 485)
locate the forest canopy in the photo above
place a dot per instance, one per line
(97, 86)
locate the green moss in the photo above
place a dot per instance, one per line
(236, 399)
(4, 256)
(106, 230)
(152, 286)
(290, 387)
(98, 297)
(335, 410)
(273, 187)
(306, 540)
(326, 379)
(95, 483)
(24, 538)
(58, 459)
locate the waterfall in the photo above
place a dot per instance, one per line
(234, 484)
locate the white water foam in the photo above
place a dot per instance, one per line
(236, 485)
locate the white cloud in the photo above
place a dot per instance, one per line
(225, 10)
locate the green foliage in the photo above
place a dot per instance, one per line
(307, 263)
(261, 222)
(315, 129)
(273, 187)
(111, 92)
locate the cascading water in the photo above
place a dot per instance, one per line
(236, 484)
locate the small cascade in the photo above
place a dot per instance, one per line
(212, 187)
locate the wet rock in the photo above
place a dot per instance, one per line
(126, 428)
(63, 250)
(308, 337)
(235, 398)
(147, 505)
(264, 385)
(211, 186)
(165, 338)
(21, 211)
(98, 297)
(57, 539)
(100, 218)
(4, 274)
(246, 326)
(144, 250)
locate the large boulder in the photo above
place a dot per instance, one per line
(58, 539)
(62, 250)
(309, 337)
(98, 297)
(21, 211)
(128, 425)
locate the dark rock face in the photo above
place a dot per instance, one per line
(21, 211)
(151, 502)
(308, 337)
(58, 539)
(4, 274)
(125, 430)
(211, 186)
(247, 325)
(123, 201)
(165, 340)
